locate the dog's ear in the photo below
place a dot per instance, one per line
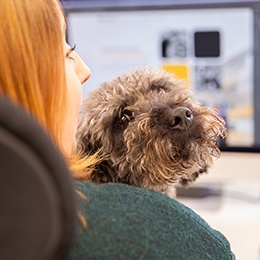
(84, 146)
(103, 172)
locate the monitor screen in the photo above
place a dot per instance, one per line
(213, 49)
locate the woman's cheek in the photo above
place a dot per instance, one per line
(74, 90)
(74, 87)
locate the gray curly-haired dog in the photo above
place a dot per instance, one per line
(151, 132)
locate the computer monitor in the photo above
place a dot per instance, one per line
(213, 46)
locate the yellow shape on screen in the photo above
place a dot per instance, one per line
(179, 71)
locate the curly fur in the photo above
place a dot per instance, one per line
(132, 120)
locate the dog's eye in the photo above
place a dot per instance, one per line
(125, 117)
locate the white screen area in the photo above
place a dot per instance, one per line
(210, 49)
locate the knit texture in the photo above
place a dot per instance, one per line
(125, 222)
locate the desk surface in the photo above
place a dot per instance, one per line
(235, 213)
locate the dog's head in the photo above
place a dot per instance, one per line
(149, 129)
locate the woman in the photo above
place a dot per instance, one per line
(38, 83)
(41, 72)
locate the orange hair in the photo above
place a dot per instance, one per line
(32, 65)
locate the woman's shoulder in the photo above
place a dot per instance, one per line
(126, 222)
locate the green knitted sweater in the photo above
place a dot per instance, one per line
(125, 222)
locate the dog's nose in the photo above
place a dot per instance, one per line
(181, 118)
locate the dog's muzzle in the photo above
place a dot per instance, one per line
(182, 118)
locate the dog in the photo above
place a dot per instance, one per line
(150, 131)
